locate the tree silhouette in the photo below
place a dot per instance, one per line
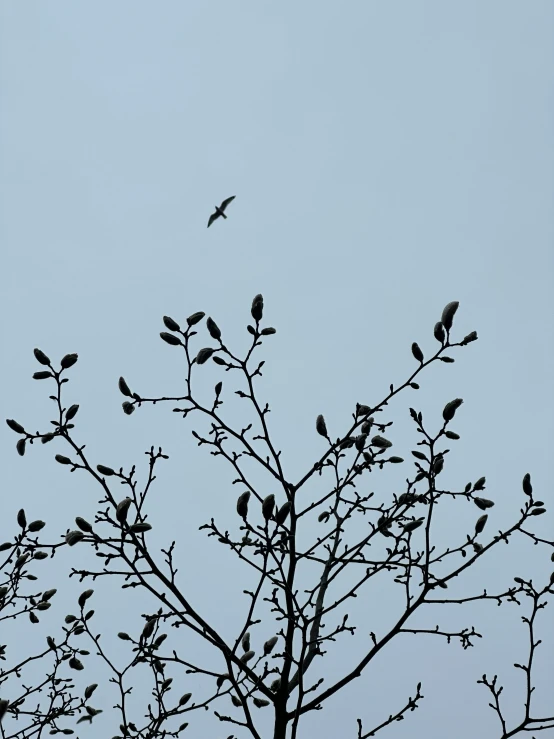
(41, 689)
(271, 672)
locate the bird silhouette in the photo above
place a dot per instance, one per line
(220, 210)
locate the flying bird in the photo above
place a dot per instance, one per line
(220, 210)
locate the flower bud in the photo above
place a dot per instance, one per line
(320, 426)
(438, 332)
(483, 503)
(41, 357)
(51, 643)
(527, 487)
(257, 308)
(469, 338)
(89, 690)
(452, 435)
(213, 329)
(448, 313)
(171, 324)
(124, 389)
(413, 525)
(83, 525)
(267, 508)
(170, 339)
(21, 560)
(71, 412)
(85, 595)
(159, 640)
(69, 360)
(140, 528)
(416, 351)
(383, 525)
(74, 537)
(203, 355)
(269, 644)
(242, 504)
(36, 526)
(17, 427)
(480, 524)
(42, 375)
(148, 629)
(123, 509)
(450, 409)
(381, 442)
(195, 318)
(283, 512)
(438, 465)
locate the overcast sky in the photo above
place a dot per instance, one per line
(386, 158)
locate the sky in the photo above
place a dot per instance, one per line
(386, 158)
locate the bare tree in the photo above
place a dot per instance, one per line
(273, 665)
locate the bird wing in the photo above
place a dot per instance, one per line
(212, 218)
(226, 202)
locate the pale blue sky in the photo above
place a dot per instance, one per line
(386, 158)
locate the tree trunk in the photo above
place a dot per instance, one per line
(280, 727)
